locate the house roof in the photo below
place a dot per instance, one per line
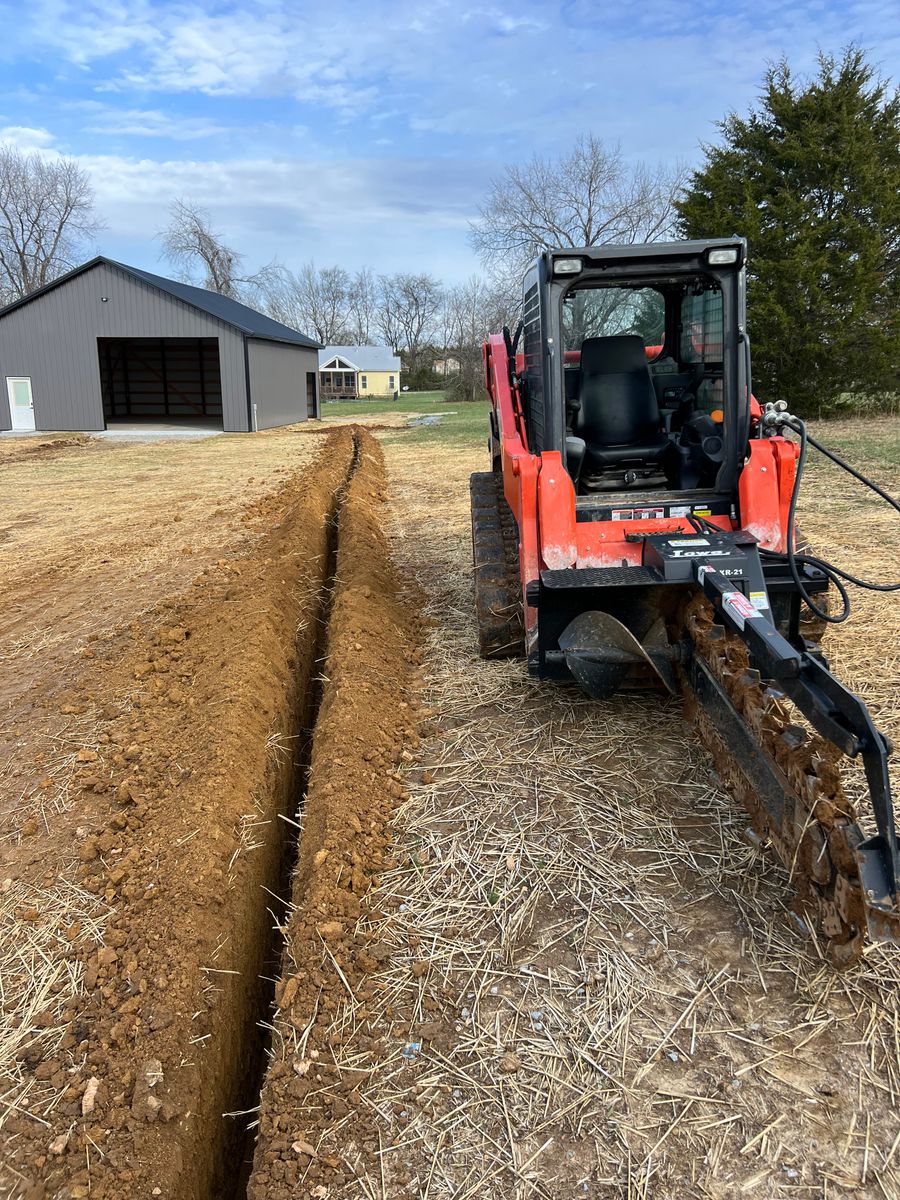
(363, 358)
(247, 320)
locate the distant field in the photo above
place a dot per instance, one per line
(461, 424)
(873, 439)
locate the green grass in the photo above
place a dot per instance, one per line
(865, 442)
(462, 425)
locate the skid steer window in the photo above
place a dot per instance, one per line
(702, 341)
(610, 311)
(701, 327)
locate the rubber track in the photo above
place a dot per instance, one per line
(498, 594)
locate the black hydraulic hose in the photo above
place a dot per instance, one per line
(834, 574)
(835, 458)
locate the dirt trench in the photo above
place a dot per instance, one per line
(311, 1119)
(190, 798)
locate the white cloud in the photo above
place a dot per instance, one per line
(148, 122)
(662, 69)
(322, 55)
(389, 213)
(26, 138)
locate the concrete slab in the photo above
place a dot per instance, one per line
(121, 431)
(155, 431)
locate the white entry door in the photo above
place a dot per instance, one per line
(21, 403)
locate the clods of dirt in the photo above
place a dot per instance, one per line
(149, 1034)
(311, 1122)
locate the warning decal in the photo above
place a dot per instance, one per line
(738, 608)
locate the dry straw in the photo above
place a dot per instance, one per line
(39, 982)
(593, 985)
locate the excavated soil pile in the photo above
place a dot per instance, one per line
(310, 1121)
(123, 1079)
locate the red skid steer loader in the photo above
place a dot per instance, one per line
(637, 528)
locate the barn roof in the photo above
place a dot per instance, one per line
(240, 316)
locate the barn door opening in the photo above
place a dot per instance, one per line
(166, 381)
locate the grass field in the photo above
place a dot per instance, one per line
(460, 425)
(875, 440)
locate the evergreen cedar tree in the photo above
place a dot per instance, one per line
(812, 179)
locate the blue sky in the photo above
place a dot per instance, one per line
(368, 133)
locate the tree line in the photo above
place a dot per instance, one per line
(810, 175)
(414, 313)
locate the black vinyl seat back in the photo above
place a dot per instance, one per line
(618, 405)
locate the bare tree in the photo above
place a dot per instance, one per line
(46, 220)
(387, 319)
(468, 315)
(332, 296)
(584, 198)
(317, 301)
(189, 242)
(470, 312)
(363, 304)
(409, 306)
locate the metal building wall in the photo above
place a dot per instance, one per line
(53, 340)
(278, 381)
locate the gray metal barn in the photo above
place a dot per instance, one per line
(109, 343)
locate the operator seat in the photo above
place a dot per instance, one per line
(618, 415)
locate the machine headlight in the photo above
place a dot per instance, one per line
(566, 266)
(718, 258)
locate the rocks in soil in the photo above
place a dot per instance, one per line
(146, 1100)
(365, 723)
(89, 1096)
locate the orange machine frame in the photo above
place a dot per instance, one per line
(541, 495)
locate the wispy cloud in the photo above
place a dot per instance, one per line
(456, 70)
(393, 212)
(261, 48)
(149, 123)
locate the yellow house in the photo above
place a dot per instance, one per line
(354, 372)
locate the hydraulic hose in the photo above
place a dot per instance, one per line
(836, 575)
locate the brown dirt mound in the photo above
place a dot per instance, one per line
(116, 1086)
(309, 1114)
(22, 449)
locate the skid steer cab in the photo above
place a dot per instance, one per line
(637, 529)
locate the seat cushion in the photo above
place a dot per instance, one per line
(604, 457)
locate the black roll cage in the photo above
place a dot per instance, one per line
(653, 264)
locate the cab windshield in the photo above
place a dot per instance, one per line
(606, 312)
(643, 374)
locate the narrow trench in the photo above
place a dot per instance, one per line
(275, 894)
